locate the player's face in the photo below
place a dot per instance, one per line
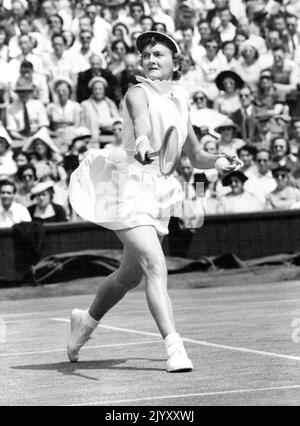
(158, 62)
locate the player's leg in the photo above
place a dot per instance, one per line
(145, 246)
(110, 292)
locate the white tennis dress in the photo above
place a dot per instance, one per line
(112, 189)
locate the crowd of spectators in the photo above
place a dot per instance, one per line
(66, 65)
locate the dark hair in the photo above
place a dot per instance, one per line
(26, 64)
(248, 148)
(120, 24)
(212, 39)
(276, 138)
(116, 42)
(187, 27)
(60, 36)
(4, 30)
(159, 23)
(136, 3)
(278, 47)
(25, 154)
(23, 169)
(8, 182)
(147, 17)
(56, 15)
(231, 42)
(178, 58)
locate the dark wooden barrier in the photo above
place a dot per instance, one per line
(246, 235)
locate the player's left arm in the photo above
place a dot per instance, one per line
(201, 159)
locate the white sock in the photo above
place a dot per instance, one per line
(89, 321)
(173, 342)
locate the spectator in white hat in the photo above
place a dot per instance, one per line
(249, 67)
(64, 114)
(44, 210)
(99, 112)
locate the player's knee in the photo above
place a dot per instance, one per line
(155, 266)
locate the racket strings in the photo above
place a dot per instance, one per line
(170, 153)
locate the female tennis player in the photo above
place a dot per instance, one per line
(125, 191)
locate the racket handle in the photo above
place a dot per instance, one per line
(152, 155)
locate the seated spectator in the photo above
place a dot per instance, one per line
(3, 44)
(263, 182)
(11, 212)
(247, 154)
(119, 51)
(238, 200)
(117, 132)
(4, 103)
(201, 114)
(249, 67)
(229, 143)
(25, 27)
(57, 64)
(39, 81)
(230, 52)
(266, 133)
(8, 166)
(146, 22)
(77, 150)
(44, 209)
(285, 71)
(25, 115)
(226, 28)
(281, 154)
(26, 47)
(229, 83)
(99, 112)
(27, 178)
(210, 65)
(190, 77)
(96, 70)
(21, 158)
(127, 77)
(44, 152)
(246, 117)
(81, 52)
(295, 141)
(64, 114)
(268, 97)
(284, 196)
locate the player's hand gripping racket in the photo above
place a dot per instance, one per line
(169, 153)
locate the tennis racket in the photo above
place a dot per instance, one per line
(169, 153)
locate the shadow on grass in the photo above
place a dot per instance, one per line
(73, 369)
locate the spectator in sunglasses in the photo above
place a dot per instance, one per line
(27, 178)
(284, 197)
(281, 154)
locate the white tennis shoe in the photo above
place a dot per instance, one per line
(178, 361)
(80, 334)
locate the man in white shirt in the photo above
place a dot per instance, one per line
(11, 212)
(226, 29)
(263, 183)
(58, 64)
(26, 46)
(25, 116)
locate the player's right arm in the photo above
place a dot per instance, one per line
(137, 105)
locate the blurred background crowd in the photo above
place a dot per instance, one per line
(66, 65)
